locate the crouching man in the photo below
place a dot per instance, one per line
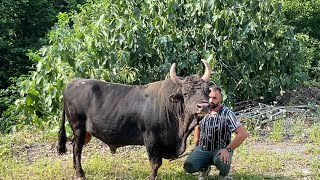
(212, 138)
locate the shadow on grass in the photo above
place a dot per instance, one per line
(235, 176)
(242, 176)
(134, 174)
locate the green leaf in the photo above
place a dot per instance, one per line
(29, 101)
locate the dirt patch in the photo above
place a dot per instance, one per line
(33, 152)
(301, 96)
(281, 147)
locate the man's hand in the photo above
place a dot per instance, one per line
(193, 148)
(225, 156)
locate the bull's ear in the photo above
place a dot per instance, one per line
(176, 97)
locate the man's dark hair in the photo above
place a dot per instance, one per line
(215, 87)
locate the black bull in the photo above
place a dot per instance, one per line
(159, 115)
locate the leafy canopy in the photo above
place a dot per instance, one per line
(250, 50)
(23, 26)
(304, 16)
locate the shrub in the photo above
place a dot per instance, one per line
(252, 53)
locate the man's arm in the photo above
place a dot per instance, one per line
(241, 135)
(196, 136)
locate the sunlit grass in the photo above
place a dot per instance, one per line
(315, 133)
(315, 165)
(277, 131)
(31, 154)
(313, 149)
(298, 129)
(264, 161)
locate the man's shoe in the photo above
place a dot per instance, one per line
(222, 177)
(204, 174)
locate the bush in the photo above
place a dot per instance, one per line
(8, 119)
(251, 52)
(23, 27)
(304, 16)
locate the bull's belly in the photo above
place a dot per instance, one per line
(119, 139)
(117, 135)
(123, 134)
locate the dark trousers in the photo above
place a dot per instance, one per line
(199, 160)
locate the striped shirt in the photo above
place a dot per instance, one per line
(216, 129)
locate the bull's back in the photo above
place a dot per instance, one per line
(104, 108)
(93, 94)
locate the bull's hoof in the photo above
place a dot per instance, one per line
(152, 177)
(62, 150)
(113, 149)
(80, 178)
(80, 175)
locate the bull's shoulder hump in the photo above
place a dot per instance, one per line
(78, 81)
(95, 83)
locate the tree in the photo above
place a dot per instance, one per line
(253, 54)
(304, 16)
(23, 26)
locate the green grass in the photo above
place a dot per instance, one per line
(277, 131)
(31, 154)
(315, 133)
(298, 129)
(264, 161)
(313, 149)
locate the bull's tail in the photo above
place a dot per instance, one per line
(62, 134)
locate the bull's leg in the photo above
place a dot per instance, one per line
(77, 122)
(155, 165)
(79, 133)
(74, 155)
(77, 150)
(155, 159)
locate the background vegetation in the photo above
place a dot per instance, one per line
(23, 28)
(258, 49)
(304, 16)
(254, 54)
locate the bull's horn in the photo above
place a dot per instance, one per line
(173, 75)
(207, 73)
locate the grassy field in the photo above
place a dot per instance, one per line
(281, 150)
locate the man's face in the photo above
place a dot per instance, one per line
(214, 98)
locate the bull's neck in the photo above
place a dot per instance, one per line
(184, 128)
(183, 133)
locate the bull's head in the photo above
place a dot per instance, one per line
(194, 91)
(194, 94)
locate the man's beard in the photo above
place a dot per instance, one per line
(214, 106)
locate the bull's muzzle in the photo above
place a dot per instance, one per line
(204, 107)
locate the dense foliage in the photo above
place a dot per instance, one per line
(252, 53)
(304, 16)
(23, 26)
(20, 32)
